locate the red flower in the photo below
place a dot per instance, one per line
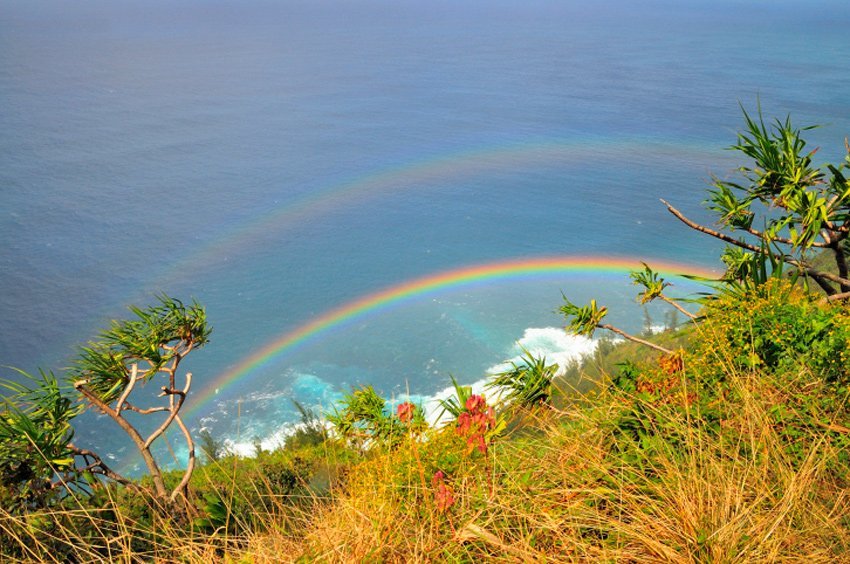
(474, 402)
(405, 411)
(444, 495)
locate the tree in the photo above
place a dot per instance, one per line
(37, 453)
(800, 210)
(135, 352)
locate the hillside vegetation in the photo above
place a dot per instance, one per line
(725, 439)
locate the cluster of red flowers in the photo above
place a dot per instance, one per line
(405, 412)
(444, 495)
(475, 422)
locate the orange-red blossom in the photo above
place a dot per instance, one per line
(475, 422)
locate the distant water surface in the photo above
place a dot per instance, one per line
(280, 160)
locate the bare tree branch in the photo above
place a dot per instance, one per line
(134, 374)
(99, 466)
(173, 410)
(777, 238)
(825, 286)
(836, 297)
(677, 306)
(131, 431)
(633, 338)
(190, 466)
(148, 411)
(708, 231)
(814, 273)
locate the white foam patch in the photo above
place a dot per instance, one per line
(309, 390)
(552, 343)
(268, 441)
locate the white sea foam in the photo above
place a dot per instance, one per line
(552, 343)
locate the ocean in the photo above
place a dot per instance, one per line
(373, 192)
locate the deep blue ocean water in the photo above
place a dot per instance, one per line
(277, 160)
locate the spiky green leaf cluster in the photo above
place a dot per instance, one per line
(361, 418)
(105, 363)
(583, 320)
(652, 283)
(35, 437)
(454, 405)
(782, 177)
(528, 382)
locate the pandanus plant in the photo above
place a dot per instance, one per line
(526, 383)
(38, 456)
(110, 372)
(585, 320)
(783, 210)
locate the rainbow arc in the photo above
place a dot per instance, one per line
(278, 348)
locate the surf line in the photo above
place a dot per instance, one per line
(507, 270)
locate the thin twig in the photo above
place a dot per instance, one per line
(99, 466)
(633, 338)
(148, 411)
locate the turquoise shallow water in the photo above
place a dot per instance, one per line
(280, 160)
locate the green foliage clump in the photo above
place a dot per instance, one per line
(362, 420)
(36, 442)
(777, 326)
(527, 383)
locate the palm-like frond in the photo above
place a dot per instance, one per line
(652, 283)
(528, 382)
(583, 320)
(151, 340)
(454, 406)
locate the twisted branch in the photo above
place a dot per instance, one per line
(181, 395)
(819, 276)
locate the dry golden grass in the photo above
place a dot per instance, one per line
(562, 494)
(565, 496)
